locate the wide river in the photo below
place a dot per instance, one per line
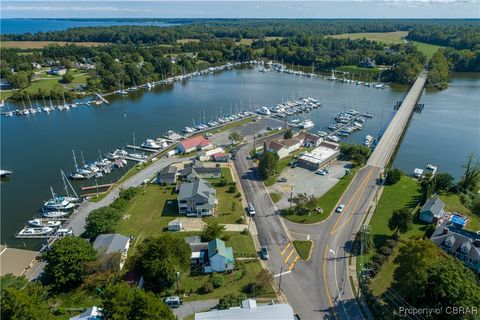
(37, 146)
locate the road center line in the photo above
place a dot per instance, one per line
(281, 274)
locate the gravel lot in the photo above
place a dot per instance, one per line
(307, 181)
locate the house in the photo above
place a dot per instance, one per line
(367, 63)
(213, 256)
(310, 140)
(460, 243)
(5, 84)
(92, 313)
(432, 210)
(283, 147)
(168, 175)
(193, 144)
(221, 157)
(36, 65)
(208, 154)
(57, 71)
(319, 157)
(196, 170)
(108, 244)
(251, 311)
(197, 198)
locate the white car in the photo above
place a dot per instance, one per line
(251, 210)
(340, 208)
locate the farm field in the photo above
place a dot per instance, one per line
(43, 44)
(386, 37)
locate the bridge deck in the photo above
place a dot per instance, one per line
(387, 144)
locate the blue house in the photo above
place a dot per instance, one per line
(432, 210)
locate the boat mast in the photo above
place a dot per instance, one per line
(83, 159)
(65, 182)
(75, 160)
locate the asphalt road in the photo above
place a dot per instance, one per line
(320, 288)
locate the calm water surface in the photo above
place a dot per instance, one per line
(9, 26)
(36, 147)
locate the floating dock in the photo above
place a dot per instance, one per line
(100, 186)
(141, 148)
(101, 98)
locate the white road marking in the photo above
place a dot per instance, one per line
(281, 274)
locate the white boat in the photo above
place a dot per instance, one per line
(188, 130)
(35, 231)
(264, 111)
(55, 214)
(367, 115)
(368, 140)
(5, 173)
(150, 144)
(322, 134)
(307, 124)
(44, 223)
(333, 138)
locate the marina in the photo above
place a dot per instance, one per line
(165, 110)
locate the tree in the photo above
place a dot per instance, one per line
(428, 278)
(304, 204)
(400, 221)
(120, 301)
(231, 300)
(471, 176)
(267, 165)
(356, 153)
(67, 77)
(443, 182)
(288, 134)
(427, 187)
(159, 260)
(393, 176)
(23, 300)
(66, 262)
(235, 137)
(101, 220)
(212, 230)
(19, 80)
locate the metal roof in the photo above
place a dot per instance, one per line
(262, 312)
(434, 205)
(109, 243)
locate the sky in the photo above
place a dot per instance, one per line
(241, 9)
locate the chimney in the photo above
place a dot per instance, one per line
(445, 230)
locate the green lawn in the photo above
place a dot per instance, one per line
(453, 204)
(229, 208)
(427, 48)
(149, 212)
(359, 73)
(384, 278)
(327, 202)
(77, 298)
(385, 37)
(275, 196)
(242, 244)
(303, 248)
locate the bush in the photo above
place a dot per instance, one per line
(391, 243)
(226, 237)
(128, 194)
(379, 259)
(232, 188)
(393, 176)
(206, 288)
(222, 183)
(231, 300)
(240, 220)
(216, 280)
(385, 250)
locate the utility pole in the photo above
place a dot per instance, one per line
(280, 280)
(291, 196)
(178, 277)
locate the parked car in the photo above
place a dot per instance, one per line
(251, 210)
(264, 253)
(173, 301)
(320, 172)
(294, 165)
(282, 179)
(340, 208)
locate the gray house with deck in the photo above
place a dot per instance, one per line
(197, 198)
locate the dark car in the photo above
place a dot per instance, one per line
(264, 254)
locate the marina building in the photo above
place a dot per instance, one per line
(320, 156)
(193, 144)
(283, 147)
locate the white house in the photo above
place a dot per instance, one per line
(283, 147)
(107, 244)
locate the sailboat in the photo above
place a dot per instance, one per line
(58, 203)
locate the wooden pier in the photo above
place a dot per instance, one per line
(141, 148)
(101, 98)
(100, 186)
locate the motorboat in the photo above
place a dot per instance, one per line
(307, 124)
(367, 115)
(322, 134)
(188, 130)
(35, 231)
(55, 214)
(368, 140)
(333, 138)
(44, 223)
(5, 173)
(264, 111)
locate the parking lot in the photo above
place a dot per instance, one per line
(307, 181)
(246, 130)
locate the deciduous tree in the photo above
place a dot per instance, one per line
(212, 230)
(400, 221)
(267, 165)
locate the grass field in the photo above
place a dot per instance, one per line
(385, 37)
(43, 44)
(453, 204)
(183, 41)
(427, 48)
(327, 202)
(275, 196)
(303, 248)
(359, 73)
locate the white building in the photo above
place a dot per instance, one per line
(250, 311)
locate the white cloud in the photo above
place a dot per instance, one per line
(71, 8)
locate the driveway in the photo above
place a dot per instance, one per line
(306, 181)
(189, 308)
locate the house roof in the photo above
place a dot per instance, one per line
(92, 313)
(170, 169)
(250, 311)
(198, 187)
(275, 145)
(194, 142)
(109, 243)
(217, 246)
(435, 205)
(459, 237)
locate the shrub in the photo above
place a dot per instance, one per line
(216, 280)
(393, 176)
(232, 188)
(231, 300)
(222, 183)
(226, 237)
(206, 288)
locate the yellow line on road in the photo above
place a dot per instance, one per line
(362, 188)
(293, 263)
(350, 201)
(288, 246)
(291, 252)
(327, 291)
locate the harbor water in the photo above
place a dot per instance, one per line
(36, 147)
